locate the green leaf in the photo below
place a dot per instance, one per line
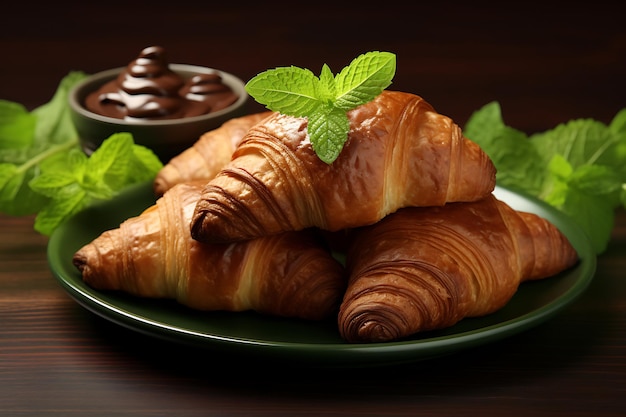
(331, 131)
(586, 143)
(72, 181)
(581, 194)
(144, 165)
(618, 128)
(560, 167)
(54, 123)
(519, 165)
(618, 124)
(593, 214)
(51, 184)
(578, 167)
(61, 174)
(290, 90)
(52, 133)
(17, 125)
(59, 210)
(327, 87)
(16, 197)
(298, 92)
(598, 180)
(43, 170)
(364, 79)
(119, 162)
(7, 172)
(581, 142)
(484, 123)
(108, 166)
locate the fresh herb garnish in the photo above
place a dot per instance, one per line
(578, 167)
(43, 170)
(325, 100)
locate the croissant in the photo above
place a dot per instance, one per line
(423, 269)
(153, 255)
(207, 156)
(399, 152)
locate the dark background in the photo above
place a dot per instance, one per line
(544, 63)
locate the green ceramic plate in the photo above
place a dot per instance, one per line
(287, 340)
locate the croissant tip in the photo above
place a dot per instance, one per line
(159, 187)
(196, 226)
(79, 260)
(205, 228)
(369, 332)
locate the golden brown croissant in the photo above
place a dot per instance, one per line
(205, 158)
(427, 268)
(399, 152)
(153, 255)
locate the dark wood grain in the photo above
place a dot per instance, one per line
(545, 65)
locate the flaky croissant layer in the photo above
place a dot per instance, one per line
(399, 152)
(153, 255)
(422, 269)
(207, 156)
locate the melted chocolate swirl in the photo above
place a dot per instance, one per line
(149, 89)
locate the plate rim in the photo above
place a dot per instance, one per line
(339, 354)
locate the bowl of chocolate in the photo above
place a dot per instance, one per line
(166, 107)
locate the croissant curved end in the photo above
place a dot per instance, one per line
(164, 179)
(370, 326)
(197, 226)
(82, 260)
(203, 227)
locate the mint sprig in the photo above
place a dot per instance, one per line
(43, 170)
(326, 100)
(578, 167)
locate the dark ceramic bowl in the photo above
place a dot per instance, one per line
(165, 137)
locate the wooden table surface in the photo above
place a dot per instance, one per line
(544, 64)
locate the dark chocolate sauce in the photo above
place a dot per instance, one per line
(149, 89)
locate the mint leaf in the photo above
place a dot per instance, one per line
(597, 180)
(578, 167)
(584, 143)
(16, 197)
(44, 171)
(144, 165)
(85, 180)
(520, 166)
(17, 125)
(49, 218)
(364, 79)
(618, 124)
(594, 214)
(484, 123)
(31, 145)
(52, 184)
(10, 180)
(327, 87)
(580, 141)
(290, 90)
(331, 130)
(298, 92)
(107, 167)
(54, 123)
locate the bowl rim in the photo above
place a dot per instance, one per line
(99, 78)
